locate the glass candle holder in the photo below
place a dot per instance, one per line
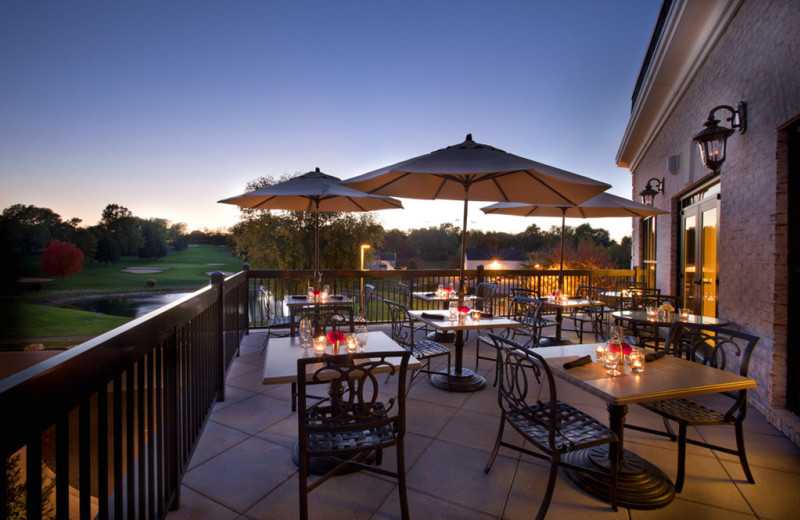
(637, 361)
(600, 354)
(684, 313)
(320, 342)
(352, 343)
(613, 360)
(476, 315)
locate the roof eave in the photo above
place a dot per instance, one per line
(689, 34)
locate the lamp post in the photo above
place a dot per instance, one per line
(361, 291)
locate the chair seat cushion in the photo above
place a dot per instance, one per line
(686, 411)
(576, 429)
(325, 437)
(427, 348)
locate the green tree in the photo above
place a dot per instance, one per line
(107, 248)
(31, 228)
(154, 238)
(123, 227)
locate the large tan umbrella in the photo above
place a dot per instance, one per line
(313, 192)
(601, 206)
(473, 171)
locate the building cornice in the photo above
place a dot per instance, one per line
(690, 31)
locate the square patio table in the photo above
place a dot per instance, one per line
(452, 296)
(280, 366)
(560, 305)
(460, 379)
(640, 484)
(337, 302)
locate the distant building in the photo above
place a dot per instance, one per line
(383, 262)
(494, 258)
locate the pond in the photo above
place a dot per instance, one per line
(126, 306)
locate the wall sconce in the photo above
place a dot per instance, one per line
(713, 138)
(649, 192)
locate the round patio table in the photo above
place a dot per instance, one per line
(666, 319)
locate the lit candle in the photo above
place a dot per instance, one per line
(476, 315)
(637, 361)
(352, 344)
(600, 353)
(319, 344)
(684, 313)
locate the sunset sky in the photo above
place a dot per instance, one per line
(168, 106)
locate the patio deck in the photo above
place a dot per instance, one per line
(242, 468)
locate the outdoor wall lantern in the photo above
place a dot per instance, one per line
(712, 139)
(650, 191)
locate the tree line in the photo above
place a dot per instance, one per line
(28, 230)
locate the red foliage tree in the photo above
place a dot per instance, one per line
(61, 259)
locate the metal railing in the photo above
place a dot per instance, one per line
(388, 283)
(107, 428)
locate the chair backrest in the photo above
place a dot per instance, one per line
(402, 325)
(323, 319)
(524, 291)
(404, 296)
(528, 312)
(485, 291)
(266, 307)
(364, 297)
(526, 385)
(353, 402)
(717, 347)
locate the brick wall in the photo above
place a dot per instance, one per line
(756, 60)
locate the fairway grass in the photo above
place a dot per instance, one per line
(185, 270)
(36, 322)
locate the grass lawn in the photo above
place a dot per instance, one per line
(184, 270)
(25, 320)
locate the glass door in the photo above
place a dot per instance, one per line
(699, 239)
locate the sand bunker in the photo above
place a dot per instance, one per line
(144, 270)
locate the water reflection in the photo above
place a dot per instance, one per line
(126, 306)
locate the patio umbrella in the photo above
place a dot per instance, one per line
(314, 192)
(600, 206)
(473, 171)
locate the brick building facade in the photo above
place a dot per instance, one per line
(704, 54)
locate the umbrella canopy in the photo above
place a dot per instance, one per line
(600, 206)
(313, 192)
(474, 171)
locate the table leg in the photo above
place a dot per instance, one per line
(460, 379)
(552, 341)
(640, 484)
(440, 336)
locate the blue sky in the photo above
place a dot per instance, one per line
(168, 106)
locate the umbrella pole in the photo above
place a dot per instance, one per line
(561, 268)
(462, 290)
(317, 274)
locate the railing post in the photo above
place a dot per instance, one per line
(479, 275)
(218, 281)
(246, 269)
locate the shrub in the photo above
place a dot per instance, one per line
(150, 282)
